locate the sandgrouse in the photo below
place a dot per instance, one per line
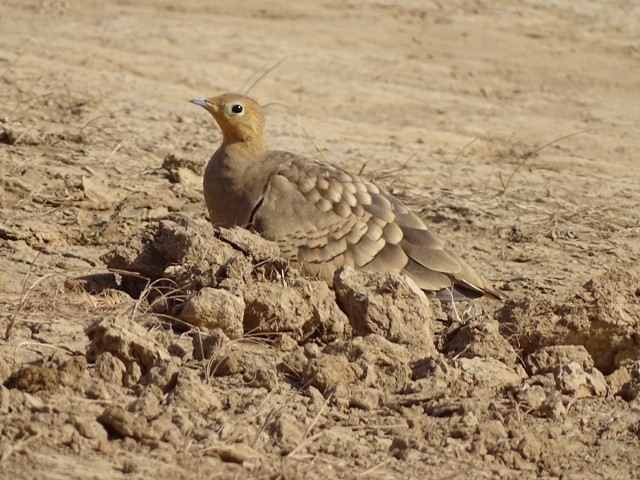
(321, 216)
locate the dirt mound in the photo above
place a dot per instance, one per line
(232, 280)
(252, 327)
(224, 346)
(252, 324)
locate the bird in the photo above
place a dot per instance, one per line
(322, 216)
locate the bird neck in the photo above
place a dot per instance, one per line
(246, 149)
(233, 183)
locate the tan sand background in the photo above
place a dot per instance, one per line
(512, 126)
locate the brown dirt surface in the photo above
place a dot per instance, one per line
(137, 343)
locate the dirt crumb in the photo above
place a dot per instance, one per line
(34, 378)
(233, 453)
(120, 422)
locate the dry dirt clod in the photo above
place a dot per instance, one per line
(545, 359)
(212, 308)
(385, 305)
(481, 338)
(304, 309)
(366, 398)
(162, 375)
(72, 370)
(487, 373)
(89, 428)
(148, 404)
(287, 431)
(49, 376)
(253, 246)
(619, 381)
(120, 422)
(572, 379)
(227, 362)
(554, 407)
(532, 397)
(182, 170)
(192, 394)
(110, 368)
(233, 453)
(128, 341)
(328, 372)
(32, 379)
(205, 345)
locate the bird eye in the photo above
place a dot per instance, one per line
(237, 108)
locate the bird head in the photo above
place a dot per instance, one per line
(239, 117)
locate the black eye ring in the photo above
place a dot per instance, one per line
(237, 108)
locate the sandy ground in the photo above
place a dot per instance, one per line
(511, 126)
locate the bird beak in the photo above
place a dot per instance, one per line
(204, 103)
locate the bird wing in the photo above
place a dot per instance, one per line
(323, 217)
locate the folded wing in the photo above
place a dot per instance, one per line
(323, 218)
